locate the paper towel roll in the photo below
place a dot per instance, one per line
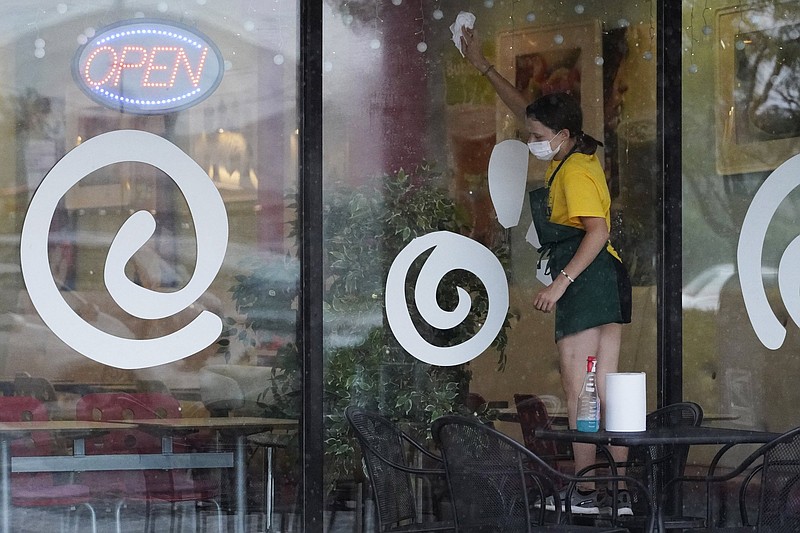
(626, 401)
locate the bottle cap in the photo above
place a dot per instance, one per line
(590, 363)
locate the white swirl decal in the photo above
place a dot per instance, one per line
(450, 252)
(765, 203)
(211, 231)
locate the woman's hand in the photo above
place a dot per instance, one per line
(545, 300)
(471, 46)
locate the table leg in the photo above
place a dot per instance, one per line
(269, 494)
(241, 498)
(5, 486)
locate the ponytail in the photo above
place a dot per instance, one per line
(586, 144)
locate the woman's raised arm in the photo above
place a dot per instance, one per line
(510, 95)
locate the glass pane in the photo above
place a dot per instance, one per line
(197, 320)
(406, 154)
(738, 325)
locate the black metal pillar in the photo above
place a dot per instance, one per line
(310, 213)
(669, 258)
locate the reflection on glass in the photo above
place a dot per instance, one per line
(243, 137)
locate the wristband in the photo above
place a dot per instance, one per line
(567, 276)
(486, 71)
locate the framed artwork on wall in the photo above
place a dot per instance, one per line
(557, 58)
(758, 88)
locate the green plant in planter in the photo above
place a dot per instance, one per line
(365, 228)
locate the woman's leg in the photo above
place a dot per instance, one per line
(608, 362)
(604, 342)
(573, 351)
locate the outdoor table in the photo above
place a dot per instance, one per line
(691, 435)
(559, 417)
(239, 427)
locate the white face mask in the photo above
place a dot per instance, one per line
(542, 150)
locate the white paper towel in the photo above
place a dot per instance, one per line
(465, 19)
(626, 401)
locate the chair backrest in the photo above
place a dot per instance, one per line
(665, 460)
(474, 401)
(105, 406)
(381, 440)
(38, 387)
(24, 409)
(533, 415)
(485, 476)
(779, 505)
(553, 403)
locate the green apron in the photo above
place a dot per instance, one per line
(594, 298)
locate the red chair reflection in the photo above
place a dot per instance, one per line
(42, 489)
(149, 486)
(533, 415)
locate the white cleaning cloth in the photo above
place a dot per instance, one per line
(464, 19)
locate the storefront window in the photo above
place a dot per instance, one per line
(151, 229)
(739, 104)
(143, 134)
(406, 154)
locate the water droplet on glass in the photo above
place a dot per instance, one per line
(739, 45)
(278, 59)
(707, 30)
(623, 23)
(327, 66)
(422, 46)
(39, 43)
(648, 55)
(488, 3)
(579, 9)
(598, 60)
(693, 68)
(437, 14)
(374, 44)
(39, 53)
(531, 16)
(61, 8)
(558, 38)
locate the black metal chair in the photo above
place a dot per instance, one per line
(496, 484)
(775, 468)
(656, 465)
(394, 481)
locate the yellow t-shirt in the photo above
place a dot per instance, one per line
(579, 190)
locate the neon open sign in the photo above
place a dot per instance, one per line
(148, 67)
